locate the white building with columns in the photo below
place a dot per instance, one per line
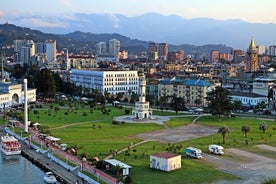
(110, 81)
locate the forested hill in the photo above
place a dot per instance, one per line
(80, 42)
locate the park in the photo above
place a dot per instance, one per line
(92, 132)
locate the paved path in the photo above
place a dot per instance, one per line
(71, 158)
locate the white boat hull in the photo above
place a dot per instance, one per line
(18, 152)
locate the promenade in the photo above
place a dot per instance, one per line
(65, 173)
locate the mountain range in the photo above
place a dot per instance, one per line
(85, 42)
(171, 29)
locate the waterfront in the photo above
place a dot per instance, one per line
(17, 169)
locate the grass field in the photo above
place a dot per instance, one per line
(97, 136)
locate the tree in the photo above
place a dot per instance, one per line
(220, 101)
(177, 103)
(259, 106)
(223, 130)
(245, 129)
(269, 181)
(45, 83)
(263, 126)
(198, 101)
(237, 105)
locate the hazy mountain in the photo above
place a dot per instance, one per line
(159, 28)
(81, 42)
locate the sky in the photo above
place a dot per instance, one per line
(254, 11)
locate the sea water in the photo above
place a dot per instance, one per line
(16, 169)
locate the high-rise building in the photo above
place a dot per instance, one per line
(101, 48)
(272, 50)
(24, 50)
(261, 49)
(163, 50)
(152, 47)
(51, 50)
(214, 56)
(114, 47)
(40, 47)
(238, 56)
(176, 56)
(252, 57)
(224, 56)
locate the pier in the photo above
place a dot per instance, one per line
(48, 162)
(42, 161)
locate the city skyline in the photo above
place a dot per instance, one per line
(220, 21)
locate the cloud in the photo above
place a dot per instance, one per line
(66, 2)
(38, 22)
(2, 14)
(115, 20)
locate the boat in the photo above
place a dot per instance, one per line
(10, 145)
(49, 178)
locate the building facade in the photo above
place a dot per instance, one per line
(51, 50)
(165, 161)
(191, 90)
(114, 47)
(13, 95)
(112, 82)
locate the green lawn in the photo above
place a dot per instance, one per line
(97, 136)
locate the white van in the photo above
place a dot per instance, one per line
(216, 149)
(193, 152)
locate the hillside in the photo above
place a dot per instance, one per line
(81, 42)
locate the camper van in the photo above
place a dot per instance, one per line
(216, 149)
(193, 152)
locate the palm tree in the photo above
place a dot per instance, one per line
(223, 130)
(263, 126)
(245, 129)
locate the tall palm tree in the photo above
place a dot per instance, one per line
(223, 130)
(263, 126)
(245, 129)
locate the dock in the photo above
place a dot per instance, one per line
(62, 174)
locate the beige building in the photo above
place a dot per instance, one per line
(165, 161)
(191, 90)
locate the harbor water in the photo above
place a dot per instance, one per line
(17, 169)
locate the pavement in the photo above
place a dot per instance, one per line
(73, 159)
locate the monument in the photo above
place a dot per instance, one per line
(142, 108)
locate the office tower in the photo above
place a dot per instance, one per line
(163, 51)
(101, 48)
(114, 47)
(252, 57)
(40, 47)
(51, 50)
(214, 56)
